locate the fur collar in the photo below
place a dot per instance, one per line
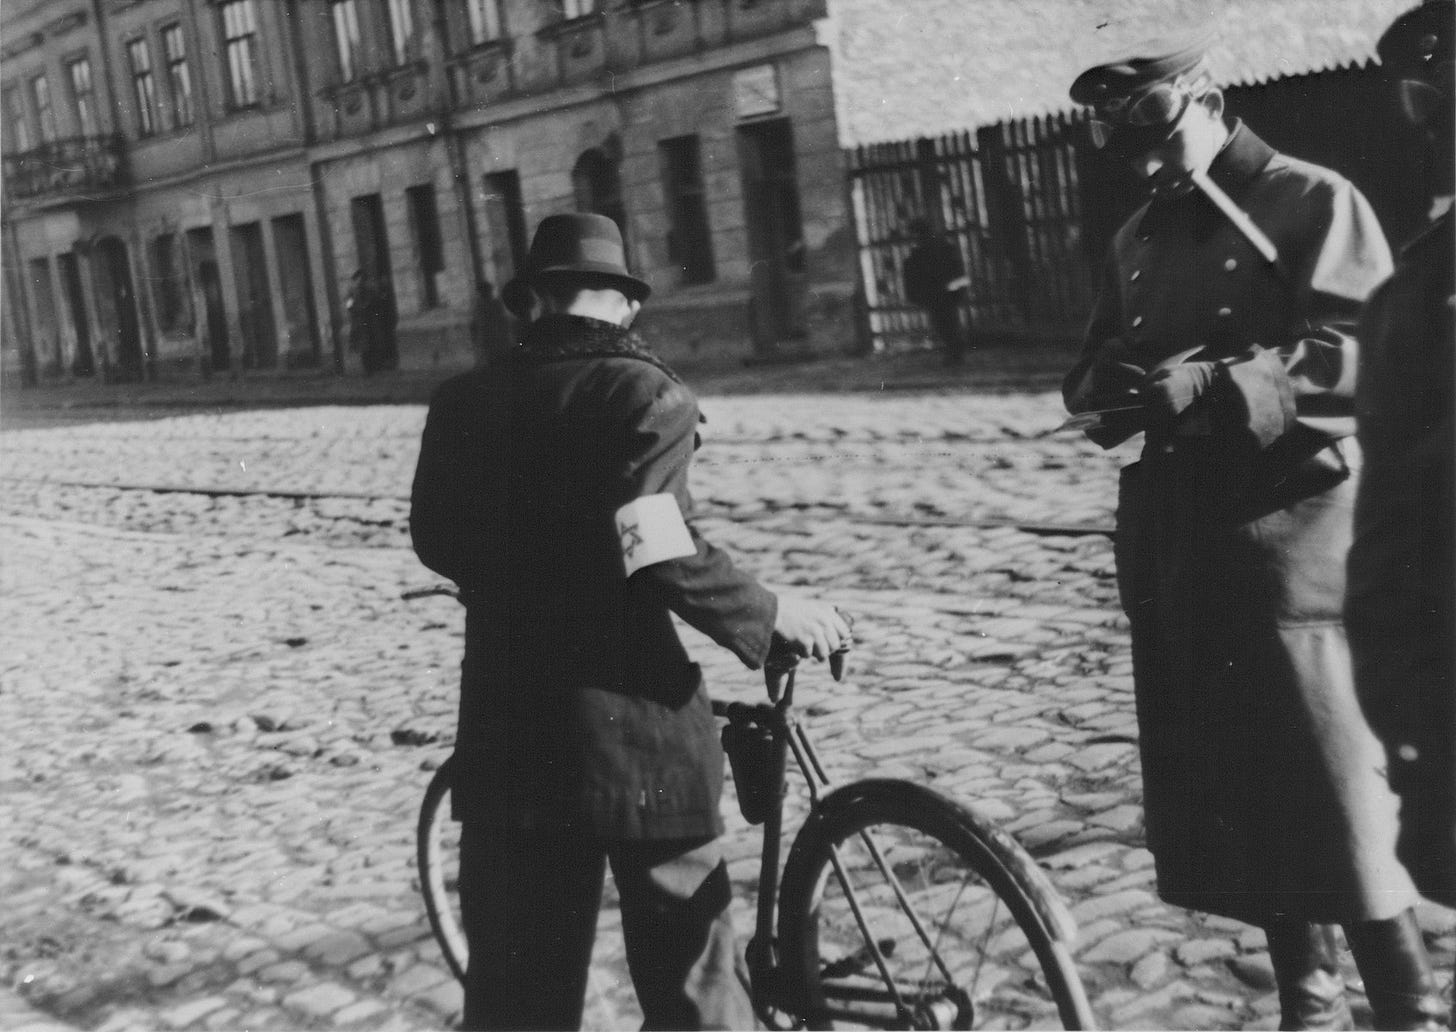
(560, 338)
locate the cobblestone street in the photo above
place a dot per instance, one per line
(222, 715)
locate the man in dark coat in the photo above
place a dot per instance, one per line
(934, 280)
(1223, 330)
(1401, 609)
(552, 488)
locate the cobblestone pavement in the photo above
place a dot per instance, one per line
(223, 715)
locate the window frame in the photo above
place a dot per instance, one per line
(574, 10)
(403, 28)
(348, 60)
(143, 84)
(240, 53)
(165, 255)
(17, 118)
(483, 22)
(182, 105)
(83, 102)
(45, 112)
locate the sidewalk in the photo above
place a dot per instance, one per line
(1002, 368)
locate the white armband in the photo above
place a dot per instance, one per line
(651, 530)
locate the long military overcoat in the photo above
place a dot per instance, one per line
(1401, 606)
(1263, 790)
(580, 709)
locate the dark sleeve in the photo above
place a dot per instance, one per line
(705, 589)
(1310, 379)
(447, 524)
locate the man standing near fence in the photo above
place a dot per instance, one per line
(935, 281)
(1223, 330)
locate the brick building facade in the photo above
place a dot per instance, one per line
(191, 184)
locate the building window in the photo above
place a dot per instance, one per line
(169, 286)
(240, 33)
(17, 129)
(179, 79)
(83, 95)
(346, 38)
(45, 118)
(402, 29)
(689, 242)
(426, 221)
(143, 86)
(577, 8)
(484, 20)
(598, 187)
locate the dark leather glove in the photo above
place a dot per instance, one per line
(1168, 393)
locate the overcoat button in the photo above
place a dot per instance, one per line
(1225, 312)
(1137, 320)
(1230, 264)
(1136, 275)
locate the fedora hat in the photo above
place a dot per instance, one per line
(580, 243)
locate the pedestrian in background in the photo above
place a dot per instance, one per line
(490, 325)
(373, 319)
(1400, 609)
(1225, 322)
(935, 281)
(553, 489)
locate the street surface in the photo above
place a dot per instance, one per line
(221, 716)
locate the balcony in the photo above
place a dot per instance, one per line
(70, 168)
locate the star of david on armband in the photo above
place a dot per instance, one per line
(651, 530)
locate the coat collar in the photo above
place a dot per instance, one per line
(560, 338)
(1243, 156)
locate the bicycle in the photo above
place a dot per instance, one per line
(843, 938)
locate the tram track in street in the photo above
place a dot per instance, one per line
(1037, 527)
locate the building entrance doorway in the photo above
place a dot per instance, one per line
(255, 300)
(778, 272)
(83, 362)
(117, 300)
(203, 256)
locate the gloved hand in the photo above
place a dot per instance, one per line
(1168, 393)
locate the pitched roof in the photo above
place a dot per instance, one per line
(907, 68)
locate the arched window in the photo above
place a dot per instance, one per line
(598, 187)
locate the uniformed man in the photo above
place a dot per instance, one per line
(552, 487)
(1401, 609)
(1223, 325)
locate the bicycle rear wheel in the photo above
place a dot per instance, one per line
(902, 909)
(438, 847)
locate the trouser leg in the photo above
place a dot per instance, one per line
(1307, 972)
(1399, 981)
(945, 323)
(679, 937)
(530, 903)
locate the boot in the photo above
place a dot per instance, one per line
(1307, 970)
(1398, 978)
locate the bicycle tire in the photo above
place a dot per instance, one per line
(437, 843)
(1020, 973)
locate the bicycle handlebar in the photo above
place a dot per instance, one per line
(782, 661)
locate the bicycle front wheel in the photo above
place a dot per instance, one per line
(902, 909)
(437, 844)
